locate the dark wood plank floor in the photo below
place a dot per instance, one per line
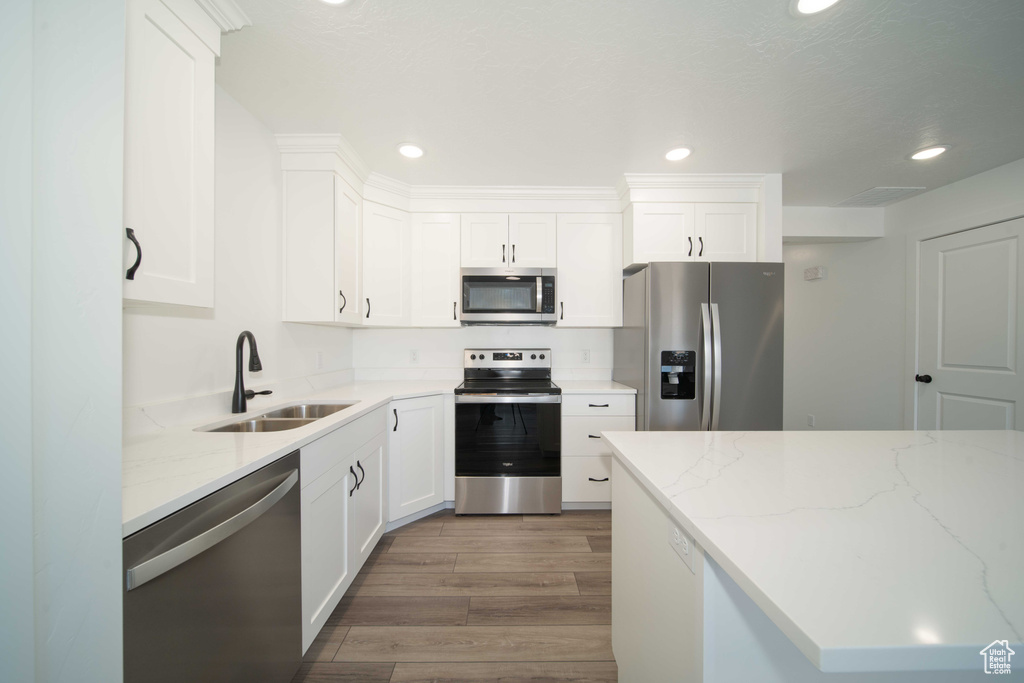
(484, 599)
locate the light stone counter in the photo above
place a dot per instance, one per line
(871, 551)
(164, 471)
(575, 386)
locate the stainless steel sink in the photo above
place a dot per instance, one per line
(313, 411)
(263, 424)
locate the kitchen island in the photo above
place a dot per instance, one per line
(816, 556)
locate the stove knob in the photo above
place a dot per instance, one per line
(473, 357)
(533, 356)
(542, 356)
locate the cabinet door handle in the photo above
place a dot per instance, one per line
(700, 240)
(455, 310)
(396, 419)
(562, 316)
(344, 301)
(360, 466)
(598, 405)
(591, 436)
(356, 477)
(503, 253)
(690, 240)
(367, 308)
(513, 253)
(598, 480)
(130, 275)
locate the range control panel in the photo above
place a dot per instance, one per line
(507, 358)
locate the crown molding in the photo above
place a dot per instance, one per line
(316, 143)
(226, 14)
(477, 192)
(678, 181)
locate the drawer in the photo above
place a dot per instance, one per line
(577, 473)
(577, 433)
(598, 404)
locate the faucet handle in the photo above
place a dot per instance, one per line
(249, 393)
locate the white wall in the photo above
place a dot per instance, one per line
(386, 353)
(844, 335)
(177, 353)
(77, 152)
(16, 624)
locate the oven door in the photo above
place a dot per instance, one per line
(508, 436)
(498, 296)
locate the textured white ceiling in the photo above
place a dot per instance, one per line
(578, 92)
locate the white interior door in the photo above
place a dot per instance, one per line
(485, 240)
(531, 239)
(970, 329)
(435, 270)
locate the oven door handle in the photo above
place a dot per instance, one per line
(520, 398)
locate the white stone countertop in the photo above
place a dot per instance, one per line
(165, 471)
(576, 386)
(871, 551)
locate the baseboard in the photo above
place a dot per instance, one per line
(447, 505)
(586, 506)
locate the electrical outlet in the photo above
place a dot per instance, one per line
(318, 361)
(414, 356)
(586, 355)
(682, 544)
(815, 273)
(810, 420)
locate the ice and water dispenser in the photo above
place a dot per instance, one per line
(678, 374)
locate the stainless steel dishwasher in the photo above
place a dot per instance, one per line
(213, 592)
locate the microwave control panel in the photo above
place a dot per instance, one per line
(548, 295)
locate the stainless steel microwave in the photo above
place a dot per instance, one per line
(499, 296)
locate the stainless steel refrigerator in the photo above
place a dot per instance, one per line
(702, 345)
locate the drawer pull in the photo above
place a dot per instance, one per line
(597, 480)
(598, 405)
(591, 436)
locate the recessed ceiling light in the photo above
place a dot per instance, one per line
(678, 154)
(929, 153)
(813, 6)
(410, 151)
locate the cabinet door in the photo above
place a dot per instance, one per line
(327, 566)
(662, 231)
(366, 521)
(726, 232)
(532, 240)
(435, 270)
(309, 246)
(347, 254)
(589, 286)
(168, 172)
(415, 455)
(386, 292)
(485, 240)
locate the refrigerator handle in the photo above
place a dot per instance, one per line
(717, 400)
(705, 398)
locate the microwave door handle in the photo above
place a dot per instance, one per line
(540, 293)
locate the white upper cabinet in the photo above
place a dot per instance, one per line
(726, 232)
(519, 240)
(589, 286)
(321, 248)
(415, 455)
(386, 266)
(435, 270)
(168, 172)
(485, 240)
(532, 241)
(687, 231)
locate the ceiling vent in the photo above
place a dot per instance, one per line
(879, 196)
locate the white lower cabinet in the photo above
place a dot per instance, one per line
(342, 513)
(586, 456)
(415, 455)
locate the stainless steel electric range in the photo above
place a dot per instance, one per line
(508, 434)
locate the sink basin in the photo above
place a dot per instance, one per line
(310, 411)
(263, 424)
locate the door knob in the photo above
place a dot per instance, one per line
(923, 379)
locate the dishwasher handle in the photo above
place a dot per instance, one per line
(179, 554)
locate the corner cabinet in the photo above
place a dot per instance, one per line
(415, 455)
(387, 295)
(589, 285)
(342, 513)
(435, 270)
(169, 146)
(321, 249)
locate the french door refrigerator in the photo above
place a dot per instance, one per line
(702, 345)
